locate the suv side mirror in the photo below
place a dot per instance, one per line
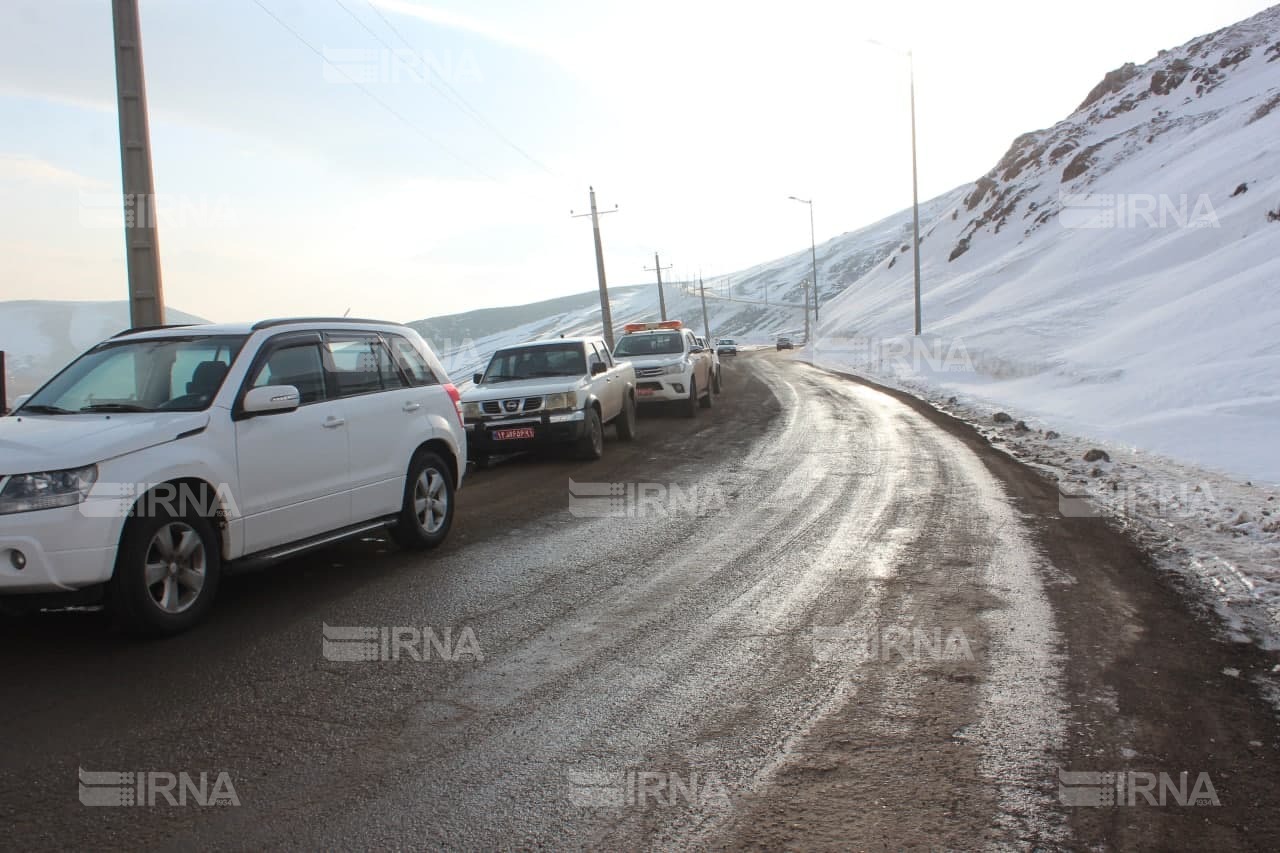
(476, 377)
(598, 367)
(272, 399)
(696, 348)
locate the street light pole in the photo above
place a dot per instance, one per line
(915, 190)
(813, 253)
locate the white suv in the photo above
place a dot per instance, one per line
(162, 456)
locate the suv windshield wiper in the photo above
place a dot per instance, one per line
(543, 374)
(39, 409)
(114, 407)
(499, 378)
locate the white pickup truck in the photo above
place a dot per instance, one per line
(670, 365)
(546, 393)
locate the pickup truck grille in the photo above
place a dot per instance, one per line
(513, 406)
(652, 386)
(649, 371)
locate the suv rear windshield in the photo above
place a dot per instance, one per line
(655, 343)
(535, 362)
(180, 374)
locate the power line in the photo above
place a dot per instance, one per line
(458, 100)
(390, 109)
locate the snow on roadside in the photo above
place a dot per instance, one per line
(1220, 534)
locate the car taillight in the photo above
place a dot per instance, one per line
(457, 400)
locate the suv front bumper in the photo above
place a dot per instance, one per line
(548, 430)
(61, 549)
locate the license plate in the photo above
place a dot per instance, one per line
(644, 392)
(509, 434)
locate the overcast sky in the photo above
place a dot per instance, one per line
(445, 183)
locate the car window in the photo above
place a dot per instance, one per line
(532, 362)
(360, 364)
(298, 365)
(411, 361)
(593, 356)
(658, 343)
(154, 374)
(605, 355)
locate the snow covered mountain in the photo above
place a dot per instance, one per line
(1114, 275)
(39, 337)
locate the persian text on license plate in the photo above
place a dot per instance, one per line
(509, 434)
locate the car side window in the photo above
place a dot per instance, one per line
(411, 361)
(298, 365)
(605, 355)
(593, 357)
(360, 364)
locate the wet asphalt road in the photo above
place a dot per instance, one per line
(817, 616)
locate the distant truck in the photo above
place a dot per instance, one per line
(670, 366)
(547, 393)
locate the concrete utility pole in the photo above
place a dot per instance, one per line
(658, 267)
(141, 241)
(606, 316)
(706, 323)
(805, 285)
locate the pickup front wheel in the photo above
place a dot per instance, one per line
(626, 422)
(591, 445)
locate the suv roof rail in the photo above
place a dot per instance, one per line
(284, 321)
(153, 328)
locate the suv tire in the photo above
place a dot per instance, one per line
(426, 513)
(166, 574)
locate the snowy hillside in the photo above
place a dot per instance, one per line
(39, 337)
(1115, 275)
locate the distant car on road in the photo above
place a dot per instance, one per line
(670, 365)
(545, 393)
(785, 343)
(727, 346)
(162, 456)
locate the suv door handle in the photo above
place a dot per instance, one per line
(411, 407)
(333, 421)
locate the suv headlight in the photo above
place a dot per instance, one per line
(471, 411)
(678, 367)
(554, 402)
(47, 489)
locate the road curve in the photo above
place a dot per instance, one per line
(815, 616)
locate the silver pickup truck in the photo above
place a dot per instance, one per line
(547, 393)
